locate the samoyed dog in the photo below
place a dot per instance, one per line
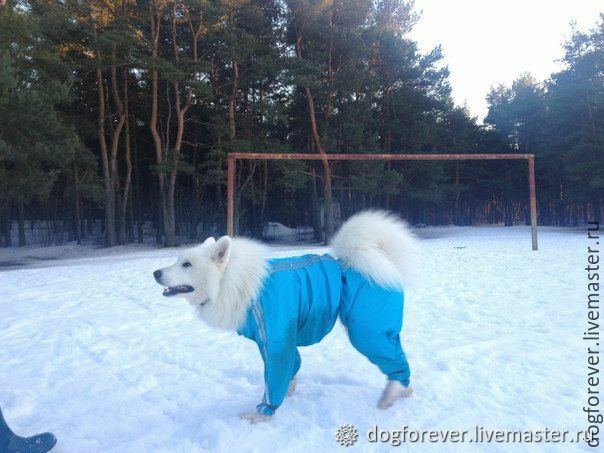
(282, 304)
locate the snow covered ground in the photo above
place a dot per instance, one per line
(90, 350)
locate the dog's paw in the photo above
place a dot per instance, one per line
(255, 417)
(292, 387)
(393, 391)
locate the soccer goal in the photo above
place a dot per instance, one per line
(232, 159)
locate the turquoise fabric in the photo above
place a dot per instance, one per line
(373, 316)
(298, 306)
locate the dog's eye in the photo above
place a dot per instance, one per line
(186, 264)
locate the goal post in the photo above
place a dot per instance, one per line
(232, 159)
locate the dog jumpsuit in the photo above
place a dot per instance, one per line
(298, 306)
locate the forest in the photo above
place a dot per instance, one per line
(116, 117)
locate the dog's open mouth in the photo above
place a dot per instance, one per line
(180, 289)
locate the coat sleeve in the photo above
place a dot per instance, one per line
(276, 340)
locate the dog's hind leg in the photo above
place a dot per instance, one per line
(393, 391)
(294, 382)
(373, 316)
(292, 387)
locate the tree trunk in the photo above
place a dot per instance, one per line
(561, 212)
(316, 218)
(232, 100)
(115, 144)
(21, 224)
(170, 210)
(327, 193)
(596, 207)
(110, 236)
(388, 141)
(5, 221)
(264, 194)
(328, 201)
(456, 208)
(167, 180)
(128, 162)
(170, 215)
(78, 217)
(573, 214)
(137, 190)
(159, 148)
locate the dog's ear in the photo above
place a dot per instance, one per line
(208, 241)
(222, 250)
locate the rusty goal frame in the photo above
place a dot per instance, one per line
(233, 157)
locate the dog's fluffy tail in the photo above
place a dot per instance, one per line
(379, 245)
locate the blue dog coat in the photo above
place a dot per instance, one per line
(299, 304)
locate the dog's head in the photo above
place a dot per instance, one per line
(197, 273)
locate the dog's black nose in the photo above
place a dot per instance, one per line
(157, 274)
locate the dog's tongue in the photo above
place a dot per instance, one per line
(181, 289)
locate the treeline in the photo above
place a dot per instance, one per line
(116, 117)
(561, 121)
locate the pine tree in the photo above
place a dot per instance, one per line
(36, 144)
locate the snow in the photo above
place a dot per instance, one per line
(92, 352)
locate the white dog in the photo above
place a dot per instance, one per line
(282, 304)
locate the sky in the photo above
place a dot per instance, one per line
(489, 42)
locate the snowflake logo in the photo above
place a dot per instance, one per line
(347, 435)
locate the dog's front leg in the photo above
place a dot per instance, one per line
(278, 369)
(279, 365)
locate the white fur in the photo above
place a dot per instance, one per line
(255, 417)
(378, 245)
(227, 276)
(393, 391)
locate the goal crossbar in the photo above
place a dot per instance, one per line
(233, 157)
